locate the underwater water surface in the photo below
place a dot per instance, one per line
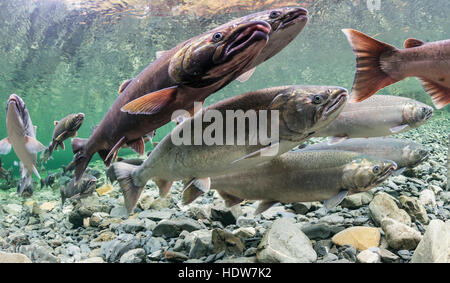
(67, 56)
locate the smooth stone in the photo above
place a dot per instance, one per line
(383, 205)
(119, 212)
(133, 256)
(400, 236)
(320, 231)
(435, 244)
(175, 256)
(173, 227)
(332, 219)
(357, 200)
(360, 237)
(414, 208)
(199, 243)
(244, 232)
(13, 258)
(92, 260)
(112, 251)
(12, 209)
(284, 241)
(388, 256)
(225, 241)
(427, 197)
(131, 226)
(38, 252)
(301, 207)
(367, 256)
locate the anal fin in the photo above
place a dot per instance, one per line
(195, 188)
(163, 186)
(229, 199)
(439, 93)
(264, 205)
(138, 146)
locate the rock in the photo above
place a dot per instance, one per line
(198, 212)
(357, 200)
(225, 241)
(103, 190)
(360, 237)
(97, 218)
(383, 205)
(226, 215)
(387, 256)
(105, 236)
(435, 244)
(112, 251)
(348, 252)
(273, 212)
(156, 215)
(119, 212)
(145, 201)
(47, 206)
(18, 238)
(12, 208)
(367, 256)
(332, 219)
(238, 260)
(173, 227)
(38, 252)
(133, 256)
(92, 260)
(243, 221)
(301, 207)
(199, 243)
(245, 232)
(152, 244)
(131, 226)
(156, 256)
(427, 197)
(175, 256)
(161, 203)
(13, 258)
(320, 231)
(414, 208)
(330, 257)
(285, 242)
(400, 236)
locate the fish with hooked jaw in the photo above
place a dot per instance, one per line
(377, 116)
(189, 72)
(21, 137)
(379, 64)
(301, 177)
(302, 110)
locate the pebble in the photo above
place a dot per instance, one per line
(13, 258)
(112, 251)
(383, 205)
(367, 256)
(360, 237)
(226, 241)
(414, 208)
(435, 244)
(173, 227)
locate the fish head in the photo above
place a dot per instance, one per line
(89, 182)
(16, 111)
(76, 121)
(226, 50)
(364, 173)
(415, 114)
(286, 24)
(306, 109)
(415, 154)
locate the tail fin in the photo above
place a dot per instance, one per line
(78, 144)
(369, 77)
(130, 191)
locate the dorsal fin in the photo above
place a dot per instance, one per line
(124, 85)
(412, 42)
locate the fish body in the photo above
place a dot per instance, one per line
(25, 186)
(21, 135)
(66, 128)
(48, 181)
(380, 64)
(189, 72)
(302, 110)
(302, 177)
(406, 154)
(377, 116)
(83, 189)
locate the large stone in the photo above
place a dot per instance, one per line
(427, 197)
(133, 256)
(301, 207)
(332, 219)
(285, 242)
(156, 215)
(400, 236)
(12, 208)
(92, 260)
(226, 215)
(360, 237)
(173, 227)
(112, 251)
(199, 243)
(119, 212)
(435, 244)
(414, 208)
(145, 201)
(38, 252)
(383, 205)
(225, 241)
(357, 200)
(13, 258)
(47, 206)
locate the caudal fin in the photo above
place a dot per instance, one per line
(130, 191)
(369, 77)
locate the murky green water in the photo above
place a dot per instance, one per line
(66, 56)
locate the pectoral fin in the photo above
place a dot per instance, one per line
(5, 146)
(335, 200)
(35, 171)
(138, 146)
(230, 200)
(335, 140)
(270, 150)
(33, 145)
(151, 103)
(113, 152)
(163, 186)
(398, 129)
(58, 138)
(264, 205)
(245, 76)
(55, 123)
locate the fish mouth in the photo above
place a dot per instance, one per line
(341, 97)
(386, 173)
(246, 36)
(298, 15)
(428, 115)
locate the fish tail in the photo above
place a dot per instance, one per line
(369, 77)
(131, 192)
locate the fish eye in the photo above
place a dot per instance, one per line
(424, 110)
(376, 169)
(217, 36)
(317, 99)
(274, 14)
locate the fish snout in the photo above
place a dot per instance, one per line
(338, 98)
(246, 35)
(295, 15)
